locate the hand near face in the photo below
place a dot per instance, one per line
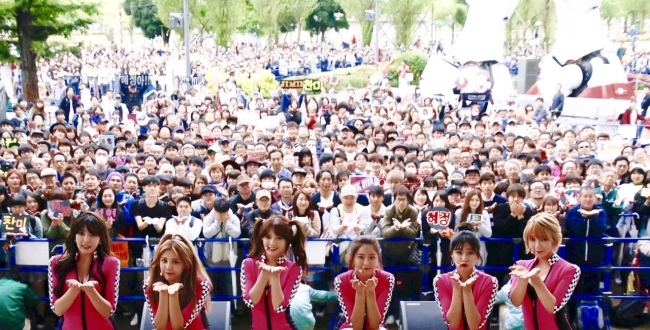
(455, 279)
(469, 282)
(371, 284)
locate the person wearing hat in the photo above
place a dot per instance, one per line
(252, 166)
(298, 177)
(401, 150)
(263, 202)
(203, 206)
(345, 219)
(244, 200)
(50, 180)
(201, 148)
(472, 175)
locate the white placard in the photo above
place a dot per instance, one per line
(32, 253)
(316, 252)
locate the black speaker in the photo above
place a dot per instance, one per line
(527, 76)
(421, 315)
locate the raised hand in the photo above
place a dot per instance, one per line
(371, 284)
(455, 279)
(74, 284)
(469, 282)
(358, 286)
(270, 269)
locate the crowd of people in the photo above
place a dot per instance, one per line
(279, 169)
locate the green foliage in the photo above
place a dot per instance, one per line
(324, 18)
(415, 60)
(357, 9)
(267, 13)
(264, 79)
(145, 16)
(404, 15)
(26, 27)
(300, 9)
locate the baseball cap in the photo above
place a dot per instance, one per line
(208, 188)
(48, 172)
(453, 189)
(262, 193)
(243, 178)
(348, 190)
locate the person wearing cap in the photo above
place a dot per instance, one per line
(345, 219)
(243, 201)
(50, 180)
(298, 177)
(201, 207)
(262, 212)
(221, 222)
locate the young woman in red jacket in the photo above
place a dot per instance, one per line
(543, 286)
(178, 287)
(466, 296)
(268, 279)
(84, 280)
(365, 290)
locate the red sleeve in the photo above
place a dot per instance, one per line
(53, 280)
(191, 312)
(486, 298)
(153, 307)
(112, 291)
(248, 278)
(565, 287)
(290, 287)
(384, 297)
(443, 291)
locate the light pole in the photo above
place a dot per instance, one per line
(186, 32)
(376, 30)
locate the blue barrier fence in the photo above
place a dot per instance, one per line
(336, 267)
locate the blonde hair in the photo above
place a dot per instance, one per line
(543, 225)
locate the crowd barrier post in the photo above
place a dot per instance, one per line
(609, 258)
(425, 266)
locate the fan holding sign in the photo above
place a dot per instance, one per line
(475, 215)
(437, 233)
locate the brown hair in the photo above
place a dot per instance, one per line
(290, 230)
(465, 209)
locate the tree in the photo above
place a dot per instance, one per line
(145, 16)
(299, 10)
(26, 26)
(404, 16)
(267, 14)
(357, 8)
(327, 15)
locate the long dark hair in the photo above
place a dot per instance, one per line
(94, 224)
(100, 204)
(360, 241)
(290, 230)
(466, 236)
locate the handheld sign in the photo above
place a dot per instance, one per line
(475, 218)
(12, 223)
(438, 218)
(56, 207)
(109, 215)
(362, 183)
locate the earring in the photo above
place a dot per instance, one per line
(263, 257)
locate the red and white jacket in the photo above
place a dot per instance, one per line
(346, 294)
(82, 314)
(263, 317)
(561, 280)
(484, 291)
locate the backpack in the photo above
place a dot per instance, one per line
(590, 315)
(629, 313)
